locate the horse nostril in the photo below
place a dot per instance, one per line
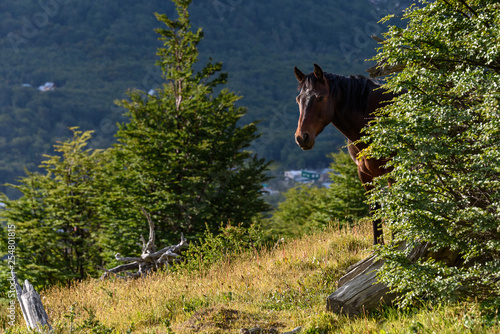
(302, 139)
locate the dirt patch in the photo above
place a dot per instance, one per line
(258, 330)
(220, 319)
(212, 318)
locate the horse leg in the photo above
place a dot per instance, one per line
(378, 237)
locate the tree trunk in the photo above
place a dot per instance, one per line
(358, 290)
(31, 306)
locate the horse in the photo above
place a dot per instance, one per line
(348, 103)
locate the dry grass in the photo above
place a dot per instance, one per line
(276, 290)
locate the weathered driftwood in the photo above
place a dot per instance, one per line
(358, 290)
(31, 306)
(150, 259)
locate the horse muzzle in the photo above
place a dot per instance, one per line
(305, 141)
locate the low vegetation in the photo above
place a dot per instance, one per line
(307, 207)
(275, 288)
(183, 160)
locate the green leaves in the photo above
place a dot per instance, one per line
(444, 132)
(307, 208)
(59, 220)
(184, 154)
(181, 157)
(346, 193)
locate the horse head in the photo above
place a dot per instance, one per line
(348, 103)
(315, 104)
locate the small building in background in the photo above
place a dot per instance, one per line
(46, 87)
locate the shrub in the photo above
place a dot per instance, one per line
(446, 133)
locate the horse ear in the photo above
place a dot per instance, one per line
(318, 72)
(298, 74)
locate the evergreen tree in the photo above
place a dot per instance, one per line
(445, 132)
(183, 153)
(57, 222)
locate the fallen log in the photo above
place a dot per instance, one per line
(150, 260)
(359, 291)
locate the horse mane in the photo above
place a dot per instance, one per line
(350, 93)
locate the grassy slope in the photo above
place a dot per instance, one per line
(277, 289)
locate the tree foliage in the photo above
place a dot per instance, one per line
(307, 207)
(445, 132)
(58, 220)
(93, 51)
(181, 157)
(346, 194)
(185, 159)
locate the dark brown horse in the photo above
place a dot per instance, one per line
(348, 103)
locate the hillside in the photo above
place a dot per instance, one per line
(274, 289)
(94, 51)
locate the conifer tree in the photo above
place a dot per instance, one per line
(185, 157)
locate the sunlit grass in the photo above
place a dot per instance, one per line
(279, 288)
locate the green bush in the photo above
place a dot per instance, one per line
(307, 208)
(445, 130)
(230, 242)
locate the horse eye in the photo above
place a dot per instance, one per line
(321, 98)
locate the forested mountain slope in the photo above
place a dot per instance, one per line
(94, 51)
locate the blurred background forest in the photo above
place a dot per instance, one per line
(93, 52)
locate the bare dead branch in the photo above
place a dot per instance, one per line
(150, 260)
(382, 68)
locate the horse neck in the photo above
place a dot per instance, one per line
(350, 118)
(350, 122)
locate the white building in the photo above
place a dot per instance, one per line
(47, 86)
